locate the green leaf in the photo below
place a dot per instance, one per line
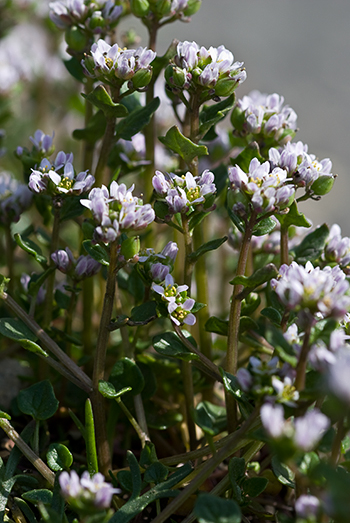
(90, 440)
(273, 315)
(169, 344)
(97, 252)
(156, 473)
(136, 120)
(71, 208)
(184, 147)
(148, 455)
(246, 156)
(75, 68)
(253, 487)
(125, 479)
(206, 247)
(282, 472)
(26, 510)
(94, 130)
(293, 217)
(3, 284)
(136, 505)
(196, 218)
(100, 98)
(214, 324)
(38, 401)
(211, 509)
(236, 469)
(144, 313)
(125, 373)
(210, 418)
(108, 390)
(236, 220)
(233, 387)
(135, 475)
(259, 277)
(31, 248)
(58, 457)
(210, 115)
(163, 421)
(310, 249)
(15, 329)
(4, 415)
(265, 226)
(37, 496)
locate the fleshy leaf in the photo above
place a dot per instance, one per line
(210, 115)
(126, 373)
(184, 147)
(282, 472)
(136, 120)
(293, 217)
(312, 245)
(156, 473)
(100, 98)
(31, 248)
(108, 390)
(97, 252)
(246, 156)
(259, 277)
(265, 226)
(252, 487)
(38, 401)
(94, 130)
(37, 496)
(212, 509)
(207, 247)
(217, 325)
(59, 457)
(210, 418)
(169, 344)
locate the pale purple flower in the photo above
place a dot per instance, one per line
(68, 13)
(307, 505)
(309, 429)
(272, 418)
(338, 375)
(25, 281)
(178, 303)
(317, 290)
(116, 210)
(78, 269)
(286, 392)
(42, 142)
(244, 378)
(88, 491)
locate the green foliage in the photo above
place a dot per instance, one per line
(59, 457)
(169, 344)
(312, 245)
(136, 120)
(15, 329)
(211, 509)
(38, 401)
(184, 147)
(126, 374)
(101, 99)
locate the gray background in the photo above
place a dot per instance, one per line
(301, 50)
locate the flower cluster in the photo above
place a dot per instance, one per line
(337, 249)
(304, 168)
(15, 198)
(87, 493)
(116, 66)
(180, 9)
(264, 116)
(81, 19)
(78, 269)
(178, 304)
(181, 193)
(266, 379)
(158, 266)
(59, 177)
(116, 210)
(316, 290)
(305, 431)
(261, 188)
(211, 70)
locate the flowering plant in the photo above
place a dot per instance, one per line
(185, 336)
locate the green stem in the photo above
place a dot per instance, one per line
(234, 318)
(284, 246)
(209, 466)
(27, 451)
(10, 258)
(51, 279)
(302, 362)
(336, 447)
(36, 437)
(140, 414)
(104, 152)
(141, 434)
(49, 344)
(97, 399)
(90, 439)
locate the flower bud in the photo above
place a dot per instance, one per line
(238, 118)
(139, 8)
(225, 86)
(76, 39)
(130, 247)
(175, 76)
(96, 20)
(192, 7)
(141, 78)
(163, 8)
(322, 185)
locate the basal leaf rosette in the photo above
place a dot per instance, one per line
(115, 66)
(261, 189)
(59, 178)
(116, 210)
(211, 72)
(187, 193)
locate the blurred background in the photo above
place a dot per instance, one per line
(299, 49)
